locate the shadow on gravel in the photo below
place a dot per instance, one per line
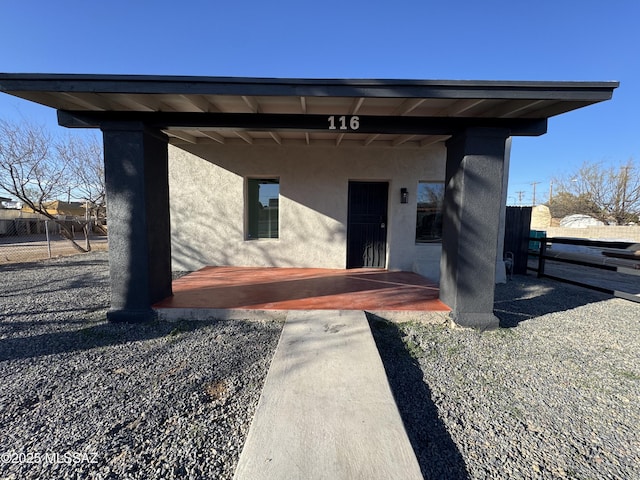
(437, 454)
(91, 336)
(527, 297)
(52, 263)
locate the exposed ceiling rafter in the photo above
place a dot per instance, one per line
(355, 106)
(433, 139)
(182, 135)
(370, 139)
(76, 100)
(399, 140)
(408, 106)
(252, 103)
(141, 104)
(460, 106)
(200, 103)
(276, 137)
(213, 136)
(244, 136)
(531, 106)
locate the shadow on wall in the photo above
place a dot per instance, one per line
(207, 219)
(466, 256)
(451, 210)
(204, 237)
(437, 454)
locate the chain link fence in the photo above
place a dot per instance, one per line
(31, 239)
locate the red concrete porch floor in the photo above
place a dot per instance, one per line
(272, 289)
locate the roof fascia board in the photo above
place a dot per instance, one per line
(150, 84)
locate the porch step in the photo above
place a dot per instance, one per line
(326, 409)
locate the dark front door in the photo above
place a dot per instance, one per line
(367, 224)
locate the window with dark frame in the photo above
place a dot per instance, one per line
(429, 212)
(263, 196)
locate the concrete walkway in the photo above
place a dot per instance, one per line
(326, 409)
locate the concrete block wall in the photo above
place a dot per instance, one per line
(630, 234)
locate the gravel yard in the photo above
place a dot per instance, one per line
(82, 398)
(554, 395)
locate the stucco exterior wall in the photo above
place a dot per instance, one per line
(207, 191)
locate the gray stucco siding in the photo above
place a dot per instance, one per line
(208, 192)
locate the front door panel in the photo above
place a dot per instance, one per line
(367, 224)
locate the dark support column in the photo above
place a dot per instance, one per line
(471, 224)
(137, 181)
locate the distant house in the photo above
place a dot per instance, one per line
(395, 174)
(580, 221)
(9, 204)
(62, 210)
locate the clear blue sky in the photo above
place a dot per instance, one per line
(584, 40)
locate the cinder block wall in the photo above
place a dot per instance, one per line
(630, 234)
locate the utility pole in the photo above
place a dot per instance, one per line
(520, 195)
(533, 184)
(625, 178)
(550, 191)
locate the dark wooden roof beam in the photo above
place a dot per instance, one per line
(265, 122)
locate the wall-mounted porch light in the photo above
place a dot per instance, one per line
(404, 195)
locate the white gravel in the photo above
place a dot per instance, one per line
(82, 398)
(554, 395)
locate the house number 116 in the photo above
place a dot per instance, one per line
(344, 122)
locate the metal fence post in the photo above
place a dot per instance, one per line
(46, 229)
(87, 232)
(541, 259)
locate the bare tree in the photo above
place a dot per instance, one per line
(85, 160)
(564, 203)
(610, 193)
(33, 169)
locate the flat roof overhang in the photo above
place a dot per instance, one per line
(223, 110)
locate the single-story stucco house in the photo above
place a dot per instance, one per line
(396, 174)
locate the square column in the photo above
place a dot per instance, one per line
(137, 182)
(471, 224)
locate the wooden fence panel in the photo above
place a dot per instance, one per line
(516, 237)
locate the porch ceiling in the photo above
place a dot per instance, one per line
(310, 102)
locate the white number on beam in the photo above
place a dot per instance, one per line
(344, 122)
